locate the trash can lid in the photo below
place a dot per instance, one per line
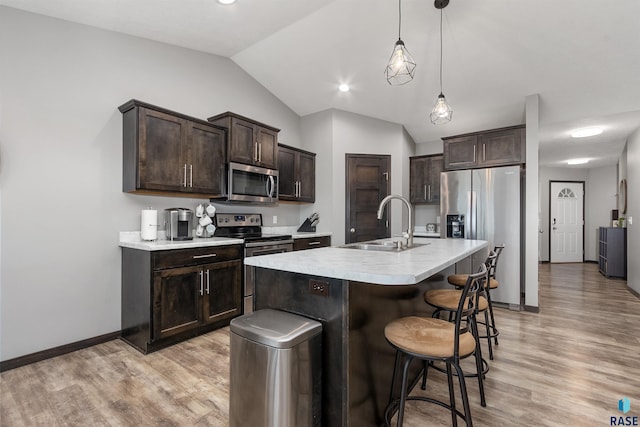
(275, 328)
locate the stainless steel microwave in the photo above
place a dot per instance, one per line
(246, 183)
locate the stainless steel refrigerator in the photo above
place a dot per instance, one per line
(486, 204)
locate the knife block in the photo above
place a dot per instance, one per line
(306, 226)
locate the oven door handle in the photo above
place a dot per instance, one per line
(266, 244)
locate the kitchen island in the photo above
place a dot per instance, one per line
(354, 293)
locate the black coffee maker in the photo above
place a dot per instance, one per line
(455, 226)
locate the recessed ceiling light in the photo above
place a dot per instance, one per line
(226, 2)
(583, 133)
(577, 161)
(343, 87)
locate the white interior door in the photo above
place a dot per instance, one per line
(567, 221)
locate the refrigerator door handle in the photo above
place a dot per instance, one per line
(473, 226)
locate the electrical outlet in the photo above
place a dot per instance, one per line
(275, 219)
(630, 220)
(317, 287)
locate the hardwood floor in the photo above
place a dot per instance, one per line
(567, 365)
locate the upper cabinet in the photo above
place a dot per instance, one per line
(297, 174)
(424, 177)
(250, 142)
(168, 152)
(498, 147)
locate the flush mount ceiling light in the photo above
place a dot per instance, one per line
(442, 111)
(577, 161)
(344, 87)
(226, 2)
(585, 132)
(401, 66)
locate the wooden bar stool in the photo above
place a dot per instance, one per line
(459, 280)
(431, 340)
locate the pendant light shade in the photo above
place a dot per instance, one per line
(401, 66)
(441, 112)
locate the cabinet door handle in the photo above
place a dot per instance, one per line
(425, 191)
(184, 182)
(255, 152)
(429, 198)
(201, 283)
(313, 243)
(474, 153)
(204, 256)
(207, 281)
(190, 175)
(260, 151)
(484, 152)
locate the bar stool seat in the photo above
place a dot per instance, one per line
(427, 336)
(458, 280)
(448, 299)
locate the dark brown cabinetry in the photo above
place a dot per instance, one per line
(424, 178)
(498, 147)
(165, 151)
(168, 296)
(297, 174)
(612, 260)
(311, 243)
(250, 142)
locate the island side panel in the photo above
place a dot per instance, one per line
(291, 292)
(371, 358)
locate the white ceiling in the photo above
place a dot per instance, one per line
(581, 56)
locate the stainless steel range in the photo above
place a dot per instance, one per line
(249, 228)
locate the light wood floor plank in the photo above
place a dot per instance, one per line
(567, 365)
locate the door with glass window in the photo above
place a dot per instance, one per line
(566, 221)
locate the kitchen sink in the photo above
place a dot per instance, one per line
(388, 246)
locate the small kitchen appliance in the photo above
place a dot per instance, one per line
(178, 223)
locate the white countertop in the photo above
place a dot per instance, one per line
(386, 268)
(131, 239)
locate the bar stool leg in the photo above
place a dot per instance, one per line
(479, 367)
(465, 398)
(403, 392)
(452, 397)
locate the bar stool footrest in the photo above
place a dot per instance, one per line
(392, 408)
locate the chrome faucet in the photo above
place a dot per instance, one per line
(409, 233)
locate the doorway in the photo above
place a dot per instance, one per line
(367, 183)
(566, 221)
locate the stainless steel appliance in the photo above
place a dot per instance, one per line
(246, 183)
(249, 228)
(486, 204)
(178, 224)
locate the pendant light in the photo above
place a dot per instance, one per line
(442, 111)
(401, 66)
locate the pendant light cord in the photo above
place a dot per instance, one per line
(440, 51)
(399, 17)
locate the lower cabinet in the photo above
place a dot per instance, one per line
(169, 296)
(612, 259)
(311, 243)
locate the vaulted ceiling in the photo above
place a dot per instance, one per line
(581, 56)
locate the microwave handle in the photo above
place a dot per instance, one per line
(271, 186)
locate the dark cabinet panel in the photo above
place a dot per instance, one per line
(297, 174)
(250, 142)
(168, 152)
(311, 243)
(460, 152)
(498, 147)
(502, 147)
(176, 301)
(424, 178)
(169, 296)
(612, 260)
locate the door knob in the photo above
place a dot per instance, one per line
(353, 230)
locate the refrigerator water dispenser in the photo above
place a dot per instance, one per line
(455, 226)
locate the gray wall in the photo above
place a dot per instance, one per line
(630, 169)
(339, 132)
(61, 165)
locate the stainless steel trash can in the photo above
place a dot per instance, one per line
(275, 370)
